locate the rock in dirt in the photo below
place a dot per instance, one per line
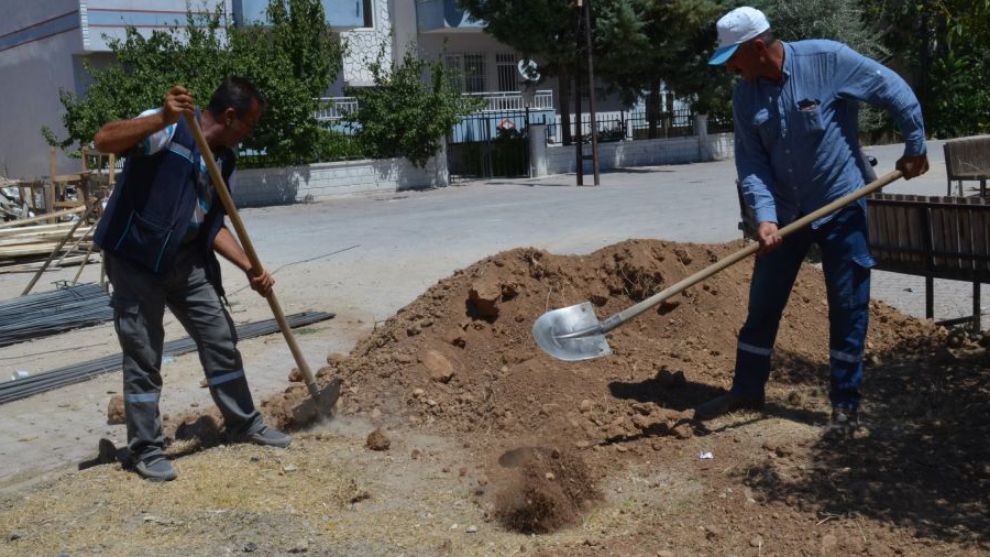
(378, 441)
(115, 411)
(295, 376)
(440, 368)
(483, 298)
(204, 428)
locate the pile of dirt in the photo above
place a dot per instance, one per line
(547, 437)
(461, 357)
(461, 360)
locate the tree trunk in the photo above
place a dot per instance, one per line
(653, 101)
(564, 99)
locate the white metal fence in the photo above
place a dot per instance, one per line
(332, 109)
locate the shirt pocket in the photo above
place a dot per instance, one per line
(767, 127)
(807, 117)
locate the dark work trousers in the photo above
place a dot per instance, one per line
(139, 299)
(846, 261)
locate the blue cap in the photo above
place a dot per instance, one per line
(722, 55)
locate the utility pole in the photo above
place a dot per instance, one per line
(584, 20)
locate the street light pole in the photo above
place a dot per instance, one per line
(584, 20)
(591, 90)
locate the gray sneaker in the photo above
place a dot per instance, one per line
(156, 468)
(266, 437)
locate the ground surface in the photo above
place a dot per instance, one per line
(481, 422)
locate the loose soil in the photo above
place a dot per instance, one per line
(599, 457)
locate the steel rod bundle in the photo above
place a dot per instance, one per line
(47, 313)
(49, 380)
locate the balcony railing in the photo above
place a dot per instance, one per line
(332, 109)
(510, 100)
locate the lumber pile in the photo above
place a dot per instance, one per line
(24, 242)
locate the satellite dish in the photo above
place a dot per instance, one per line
(528, 70)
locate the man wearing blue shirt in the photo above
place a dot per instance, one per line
(797, 149)
(159, 234)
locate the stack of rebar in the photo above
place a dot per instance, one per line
(48, 313)
(49, 380)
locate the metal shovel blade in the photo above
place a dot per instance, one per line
(552, 328)
(318, 406)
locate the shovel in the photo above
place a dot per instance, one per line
(321, 402)
(574, 333)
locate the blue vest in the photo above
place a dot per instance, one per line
(152, 204)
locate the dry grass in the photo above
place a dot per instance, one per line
(326, 491)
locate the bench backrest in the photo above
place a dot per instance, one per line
(942, 237)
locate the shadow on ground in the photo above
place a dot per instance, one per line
(922, 459)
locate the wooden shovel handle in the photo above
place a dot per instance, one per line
(632, 311)
(235, 219)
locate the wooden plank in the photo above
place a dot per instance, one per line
(69, 178)
(39, 218)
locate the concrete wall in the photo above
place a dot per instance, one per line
(278, 186)
(643, 152)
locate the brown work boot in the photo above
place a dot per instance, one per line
(729, 402)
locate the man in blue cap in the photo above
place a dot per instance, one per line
(797, 149)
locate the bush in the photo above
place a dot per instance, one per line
(409, 110)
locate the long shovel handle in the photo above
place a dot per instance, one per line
(632, 311)
(235, 218)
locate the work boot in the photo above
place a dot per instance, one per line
(843, 423)
(729, 402)
(156, 468)
(266, 437)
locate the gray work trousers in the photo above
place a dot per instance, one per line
(139, 299)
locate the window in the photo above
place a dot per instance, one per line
(474, 73)
(467, 71)
(506, 65)
(369, 9)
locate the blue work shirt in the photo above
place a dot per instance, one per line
(796, 142)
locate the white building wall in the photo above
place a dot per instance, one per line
(364, 45)
(103, 20)
(42, 48)
(35, 61)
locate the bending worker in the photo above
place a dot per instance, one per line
(797, 149)
(162, 227)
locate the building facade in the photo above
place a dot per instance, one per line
(44, 44)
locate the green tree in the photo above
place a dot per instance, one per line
(643, 44)
(409, 110)
(943, 48)
(545, 30)
(293, 60)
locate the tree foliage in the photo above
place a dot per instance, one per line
(293, 61)
(644, 42)
(409, 110)
(544, 30)
(943, 48)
